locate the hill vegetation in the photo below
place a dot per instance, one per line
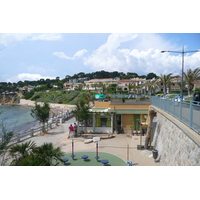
(61, 97)
(42, 84)
(51, 90)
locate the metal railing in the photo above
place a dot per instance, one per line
(51, 124)
(186, 112)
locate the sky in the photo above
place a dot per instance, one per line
(49, 39)
(26, 56)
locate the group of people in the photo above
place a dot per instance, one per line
(72, 131)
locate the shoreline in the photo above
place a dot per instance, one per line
(56, 110)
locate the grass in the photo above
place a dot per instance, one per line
(91, 161)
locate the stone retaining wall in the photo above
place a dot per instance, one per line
(177, 145)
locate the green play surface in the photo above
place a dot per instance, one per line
(91, 161)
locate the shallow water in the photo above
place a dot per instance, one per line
(16, 118)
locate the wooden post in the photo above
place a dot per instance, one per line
(72, 149)
(97, 150)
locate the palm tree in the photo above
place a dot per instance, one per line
(166, 80)
(169, 84)
(41, 113)
(151, 85)
(47, 153)
(21, 151)
(28, 154)
(190, 77)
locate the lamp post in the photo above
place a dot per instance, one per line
(183, 53)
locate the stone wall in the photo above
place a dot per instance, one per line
(177, 145)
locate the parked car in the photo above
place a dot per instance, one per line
(196, 98)
(178, 98)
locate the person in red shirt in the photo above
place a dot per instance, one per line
(71, 131)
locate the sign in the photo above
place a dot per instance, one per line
(99, 96)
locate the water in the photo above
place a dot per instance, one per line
(16, 118)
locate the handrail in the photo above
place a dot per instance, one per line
(51, 124)
(186, 112)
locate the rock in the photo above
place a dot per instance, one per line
(146, 152)
(88, 141)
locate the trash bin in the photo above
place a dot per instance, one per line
(155, 154)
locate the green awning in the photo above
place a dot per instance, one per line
(127, 111)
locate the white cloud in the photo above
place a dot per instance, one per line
(27, 76)
(80, 53)
(142, 54)
(77, 55)
(61, 55)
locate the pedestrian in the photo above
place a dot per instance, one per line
(75, 130)
(71, 131)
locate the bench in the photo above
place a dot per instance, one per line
(101, 135)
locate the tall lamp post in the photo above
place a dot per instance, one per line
(183, 53)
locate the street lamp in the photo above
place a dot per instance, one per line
(183, 53)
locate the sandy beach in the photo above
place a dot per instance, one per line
(56, 109)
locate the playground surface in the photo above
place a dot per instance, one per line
(91, 160)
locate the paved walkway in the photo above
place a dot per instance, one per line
(116, 145)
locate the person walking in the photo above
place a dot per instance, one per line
(75, 130)
(71, 131)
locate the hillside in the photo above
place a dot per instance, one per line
(12, 99)
(61, 97)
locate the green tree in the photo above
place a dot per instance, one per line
(21, 151)
(28, 154)
(151, 75)
(111, 89)
(47, 153)
(166, 80)
(103, 87)
(82, 112)
(5, 138)
(41, 113)
(151, 86)
(190, 77)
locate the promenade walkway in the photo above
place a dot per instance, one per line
(116, 145)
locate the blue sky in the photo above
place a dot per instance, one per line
(40, 40)
(42, 55)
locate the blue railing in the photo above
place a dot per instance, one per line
(186, 112)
